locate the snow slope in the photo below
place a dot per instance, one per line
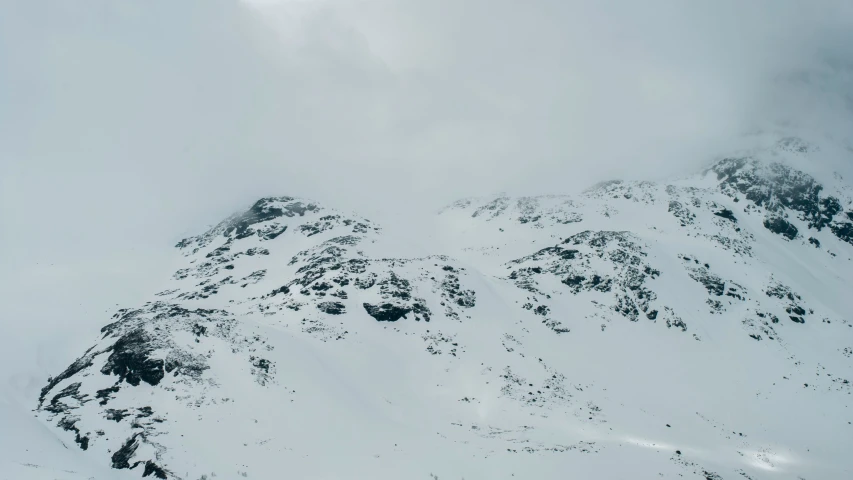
(698, 328)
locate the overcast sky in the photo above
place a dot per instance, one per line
(125, 125)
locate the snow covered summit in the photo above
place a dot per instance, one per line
(698, 328)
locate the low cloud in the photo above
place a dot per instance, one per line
(125, 125)
(199, 106)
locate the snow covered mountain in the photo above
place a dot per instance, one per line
(698, 328)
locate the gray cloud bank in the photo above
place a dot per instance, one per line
(126, 124)
(212, 101)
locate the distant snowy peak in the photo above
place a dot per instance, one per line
(781, 193)
(270, 217)
(550, 208)
(765, 182)
(306, 257)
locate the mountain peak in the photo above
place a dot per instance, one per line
(519, 346)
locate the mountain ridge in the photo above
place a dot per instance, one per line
(671, 328)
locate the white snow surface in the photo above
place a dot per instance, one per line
(636, 330)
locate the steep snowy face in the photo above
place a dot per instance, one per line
(325, 256)
(283, 264)
(781, 192)
(698, 328)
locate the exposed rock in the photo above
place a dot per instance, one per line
(780, 226)
(332, 308)
(727, 214)
(386, 312)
